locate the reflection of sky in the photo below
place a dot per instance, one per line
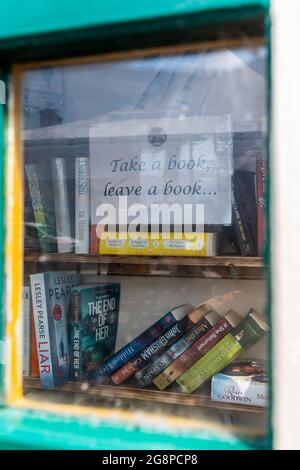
(214, 82)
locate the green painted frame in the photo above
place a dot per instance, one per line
(22, 38)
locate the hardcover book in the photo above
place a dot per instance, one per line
(51, 296)
(242, 382)
(135, 346)
(95, 312)
(248, 332)
(196, 349)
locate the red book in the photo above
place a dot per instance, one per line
(261, 188)
(34, 356)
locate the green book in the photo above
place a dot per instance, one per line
(247, 333)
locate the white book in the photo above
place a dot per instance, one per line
(82, 205)
(61, 206)
(26, 330)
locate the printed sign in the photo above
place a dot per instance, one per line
(183, 160)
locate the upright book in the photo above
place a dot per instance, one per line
(82, 205)
(51, 296)
(261, 187)
(26, 330)
(95, 312)
(62, 206)
(42, 204)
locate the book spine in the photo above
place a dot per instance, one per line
(241, 229)
(43, 229)
(26, 330)
(61, 206)
(39, 301)
(76, 369)
(94, 241)
(156, 347)
(146, 376)
(34, 362)
(192, 354)
(82, 203)
(136, 345)
(211, 363)
(261, 188)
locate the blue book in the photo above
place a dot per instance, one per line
(95, 312)
(140, 342)
(51, 297)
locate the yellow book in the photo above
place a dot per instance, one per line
(153, 244)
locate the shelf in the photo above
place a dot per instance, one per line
(132, 393)
(231, 267)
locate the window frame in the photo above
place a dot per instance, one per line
(32, 415)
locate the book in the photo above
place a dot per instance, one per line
(261, 186)
(61, 206)
(196, 349)
(153, 244)
(82, 205)
(42, 205)
(239, 233)
(34, 362)
(148, 373)
(95, 312)
(51, 295)
(26, 330)
(243, 382)
(156, 347)
(248, 332)
(135, 346)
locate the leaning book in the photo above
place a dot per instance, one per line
(51, 295)
(95, 312)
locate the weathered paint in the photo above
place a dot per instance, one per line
(54, 15)
(39, 430)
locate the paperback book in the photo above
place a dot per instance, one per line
(250, 330)
(146, 375)
(243, 382)
(135, 346)
(155, 348)
(51, 296)
(95, 312)
(26, 330)
(197, 348)
(42, 204)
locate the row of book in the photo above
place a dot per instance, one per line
(187, 346)
(57, 216)
(75, 329)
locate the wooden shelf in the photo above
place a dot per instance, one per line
(231, 267)
(173, 397)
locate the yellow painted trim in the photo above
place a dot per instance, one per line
(14, 247)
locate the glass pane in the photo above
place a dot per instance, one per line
(145, 181)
